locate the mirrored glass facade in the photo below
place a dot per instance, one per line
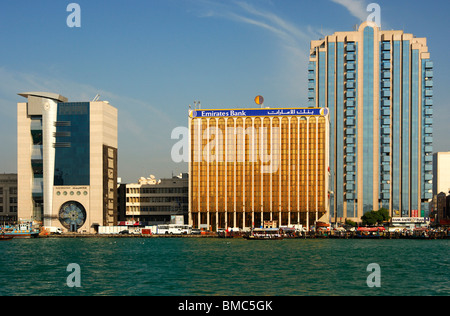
(72, 144)
(245, 170)
(378, 87)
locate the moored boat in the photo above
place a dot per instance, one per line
(23, 230)
(3, 237)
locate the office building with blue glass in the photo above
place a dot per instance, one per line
(67, 162)
(378, 87)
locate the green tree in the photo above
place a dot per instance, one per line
(375, 217)
(370, 218)
(384, 214)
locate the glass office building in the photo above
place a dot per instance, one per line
(248, 166)
(378, 88)
(67, 162)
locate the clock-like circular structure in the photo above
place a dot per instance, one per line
(72, 215)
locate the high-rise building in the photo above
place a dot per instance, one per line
(248, 166)
(378, 87)
(67, 162)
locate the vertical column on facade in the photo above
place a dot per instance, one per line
(207, 176)
(271, 170)
(261, 155)
(226, 173)
(298, 171)
(253, 163)
(199, 162)
(235, 158)
(289, 172)
(385, 124)
(218, 150)
(280, 166)
(427, 128)
(307, 173)
(317, 170)
(244, 121)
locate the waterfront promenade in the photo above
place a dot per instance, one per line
(430, 235)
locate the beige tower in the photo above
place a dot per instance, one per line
(378, 87)
(67, 162)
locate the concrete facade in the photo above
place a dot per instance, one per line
(51, 132)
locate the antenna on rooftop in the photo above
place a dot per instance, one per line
(97, 97)
(197, 105)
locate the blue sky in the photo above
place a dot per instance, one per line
(152, 58)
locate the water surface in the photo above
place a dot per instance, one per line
(229, 267)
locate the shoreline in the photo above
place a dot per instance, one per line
(442, 236)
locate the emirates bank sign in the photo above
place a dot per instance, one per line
(259, 112)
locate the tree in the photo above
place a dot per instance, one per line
(370, 218)
(375, 217)
(384, 214)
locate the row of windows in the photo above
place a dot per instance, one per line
(12, 209)
(156, 190)
(12, 200)
(12, 190)
(141, 199)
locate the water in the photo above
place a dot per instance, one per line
(228, 267)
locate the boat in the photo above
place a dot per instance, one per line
(264, 234)
(3, 237)
(370, 232)
(22, 230)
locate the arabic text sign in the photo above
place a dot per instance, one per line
(259, 112)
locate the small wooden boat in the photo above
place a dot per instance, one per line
(4, 237)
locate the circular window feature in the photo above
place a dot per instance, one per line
(58, 193)
(65, 192)
(85, 192)
(71, 193)
(72, 215)
(78, 193)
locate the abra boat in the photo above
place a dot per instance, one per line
(23, 230)
(264, 234)
(3, 237)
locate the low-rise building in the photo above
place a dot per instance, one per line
(8, 197)
(154, 201)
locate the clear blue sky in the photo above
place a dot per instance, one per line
(152, 58)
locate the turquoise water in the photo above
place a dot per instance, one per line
(228, 267)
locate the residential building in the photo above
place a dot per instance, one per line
(378, 88)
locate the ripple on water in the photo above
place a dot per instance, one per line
(194, 266)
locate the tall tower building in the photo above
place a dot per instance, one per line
(378, 87)
(67, 162)
(249, 166)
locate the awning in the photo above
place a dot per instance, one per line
(371, 229)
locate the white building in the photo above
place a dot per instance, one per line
(441, 173)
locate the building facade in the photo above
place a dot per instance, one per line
(155, 201)
(248, 166)
(441, 173)
(378, 87)
(8, 198)
(67, 162)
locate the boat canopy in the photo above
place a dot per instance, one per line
(371, 229)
